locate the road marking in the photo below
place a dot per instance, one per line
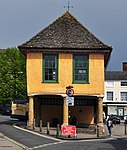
(44, 145)
(59, 141)
(50, 144)
(52, 138)
(15, 142)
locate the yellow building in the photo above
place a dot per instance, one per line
(62, 55)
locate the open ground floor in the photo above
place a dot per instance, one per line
(86, 111)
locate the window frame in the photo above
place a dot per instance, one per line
(121, 98)
(123, 82)
(43, 69)
(87, 70)
(112, 96)
(110, 83)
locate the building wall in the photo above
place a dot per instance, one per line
(65, 75)
(116, 89)
(116, 105)
(84, 114)
(48, 112)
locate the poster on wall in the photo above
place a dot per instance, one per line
(112, 110)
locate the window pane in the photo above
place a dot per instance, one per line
(123, 96)
(110, 96)
(50, 67)
(80, 68)
(110, 84)
(124, 83)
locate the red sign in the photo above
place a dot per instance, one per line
(68, 130)
(70, 92)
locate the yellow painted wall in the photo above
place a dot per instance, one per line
(84, 114)
(34, 75)
(48, 112)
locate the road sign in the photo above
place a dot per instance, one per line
(68, 130)
(69, 101)
(70, 92)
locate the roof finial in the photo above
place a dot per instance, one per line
(68, 6)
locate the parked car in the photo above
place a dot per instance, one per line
(125, 117)
(6, 109)
(115, 119)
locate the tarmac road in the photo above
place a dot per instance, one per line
(31, 141)
(27, 139)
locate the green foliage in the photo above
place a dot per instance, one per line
(12, 75)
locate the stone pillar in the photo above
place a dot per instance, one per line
(31, 111)
(100, 114)
(37, 111)
(65, 112)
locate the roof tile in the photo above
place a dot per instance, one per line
(116, 75)
(65, 32)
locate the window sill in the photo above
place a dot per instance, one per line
(49, 82)
(80, 83)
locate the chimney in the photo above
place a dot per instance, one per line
(124, 66)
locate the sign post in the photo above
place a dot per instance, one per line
(69, 98)
(69, 129)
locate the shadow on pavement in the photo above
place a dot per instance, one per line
(118, 144)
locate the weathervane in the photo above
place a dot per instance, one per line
(68, 6)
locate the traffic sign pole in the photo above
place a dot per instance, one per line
(69, 101)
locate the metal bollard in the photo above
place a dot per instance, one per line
(48, 124)
(40, 125)
(34, 124)
(57, 130)
(97, 130)
(125, 129)
(27, 124)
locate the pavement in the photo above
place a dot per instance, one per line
(9, 144)
(118, 131)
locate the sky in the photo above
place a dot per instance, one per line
(20, 20)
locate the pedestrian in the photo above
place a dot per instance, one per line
(110, 126)
(74, 120)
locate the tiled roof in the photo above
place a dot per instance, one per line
(64, 33)
(116, 75)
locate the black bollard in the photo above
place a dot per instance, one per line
(27, 124)
(97, 130)
(40, 125)
(48, 124)
(34, 124)
(125, 128)
(57, 130)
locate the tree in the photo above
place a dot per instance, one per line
(12, 75)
